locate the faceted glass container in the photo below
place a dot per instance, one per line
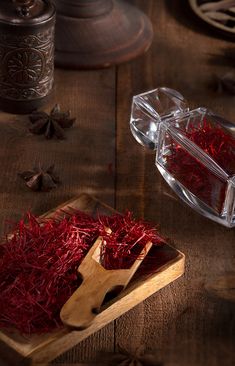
(195, 151)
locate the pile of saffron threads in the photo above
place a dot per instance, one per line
(126, 241)
(195, 176)
(38, 263)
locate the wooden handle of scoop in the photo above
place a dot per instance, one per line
(82, 307)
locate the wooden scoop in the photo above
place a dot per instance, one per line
(83, 306)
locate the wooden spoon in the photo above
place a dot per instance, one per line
(85, 303)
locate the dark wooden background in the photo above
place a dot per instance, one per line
(183, 323)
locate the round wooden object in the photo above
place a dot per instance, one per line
(99, 33)
(197, 7)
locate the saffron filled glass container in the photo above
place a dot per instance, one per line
(195, 151)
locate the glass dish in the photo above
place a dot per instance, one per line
(195, 151)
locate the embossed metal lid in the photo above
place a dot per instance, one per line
(25, 12)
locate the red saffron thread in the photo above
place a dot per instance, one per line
(193, 174)
(38, 263)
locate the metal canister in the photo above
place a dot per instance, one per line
(26, 54)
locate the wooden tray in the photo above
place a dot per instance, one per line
(16, 350)
(195, 6)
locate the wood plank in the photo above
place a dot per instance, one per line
(40, 349)
(85, 161)
(182, 322)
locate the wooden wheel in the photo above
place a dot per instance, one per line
(99, 33)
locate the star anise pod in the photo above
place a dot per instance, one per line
(52, 124)
(40, 179)
(124, 358)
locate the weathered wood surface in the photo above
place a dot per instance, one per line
(184, 322)
(85, 161)
(40, 349)
(77, 20)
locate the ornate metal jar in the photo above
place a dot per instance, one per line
(26, 54)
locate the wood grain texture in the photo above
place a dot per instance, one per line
(182, 322)
(39, 349)
(99, 33)
(84, 162)
(97, 283)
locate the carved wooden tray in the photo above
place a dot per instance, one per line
(218, 14)
(16, 350)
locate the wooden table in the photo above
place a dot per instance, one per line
(184, 323)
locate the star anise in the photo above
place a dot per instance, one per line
(40, 179)
(52, 124)
(124, 358)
